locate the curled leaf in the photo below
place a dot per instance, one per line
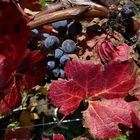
(108, 52)
(110, 47)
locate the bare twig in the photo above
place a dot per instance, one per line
(70, 13)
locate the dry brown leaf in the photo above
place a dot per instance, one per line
(25, 119)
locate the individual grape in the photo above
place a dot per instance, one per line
(129, 9)
(58, 53)
(50, 64)
(62, 73)
(68, 46)
(51, 42)
(60, 24)
(56, 72)
(35, 31)
(35, 39)
(63, 59)
(61, 27)
(45, 35)
(74, 28)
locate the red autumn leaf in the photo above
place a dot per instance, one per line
(109, 83)
(58, 137)
(108, 52)
(10, 98)
(103, 117)
(18, 134)
(14, 36)
(88, 80)
(110, 47)
(15, 59)
(10, 94)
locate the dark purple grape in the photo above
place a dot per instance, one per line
(64, 58)
(74, 28)
(35, 31)
(61, 27)
(129, 10)
(45, 35)
(58, 53)
(60, 24)
(50, 64)
(56, 72)
(68, 46)
(62, 73)
(51, 42)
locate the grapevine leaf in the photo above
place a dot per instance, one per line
(18, 65)
(102, 117)
(87, 80)
(65, 94)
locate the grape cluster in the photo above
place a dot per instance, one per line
(59, 46)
